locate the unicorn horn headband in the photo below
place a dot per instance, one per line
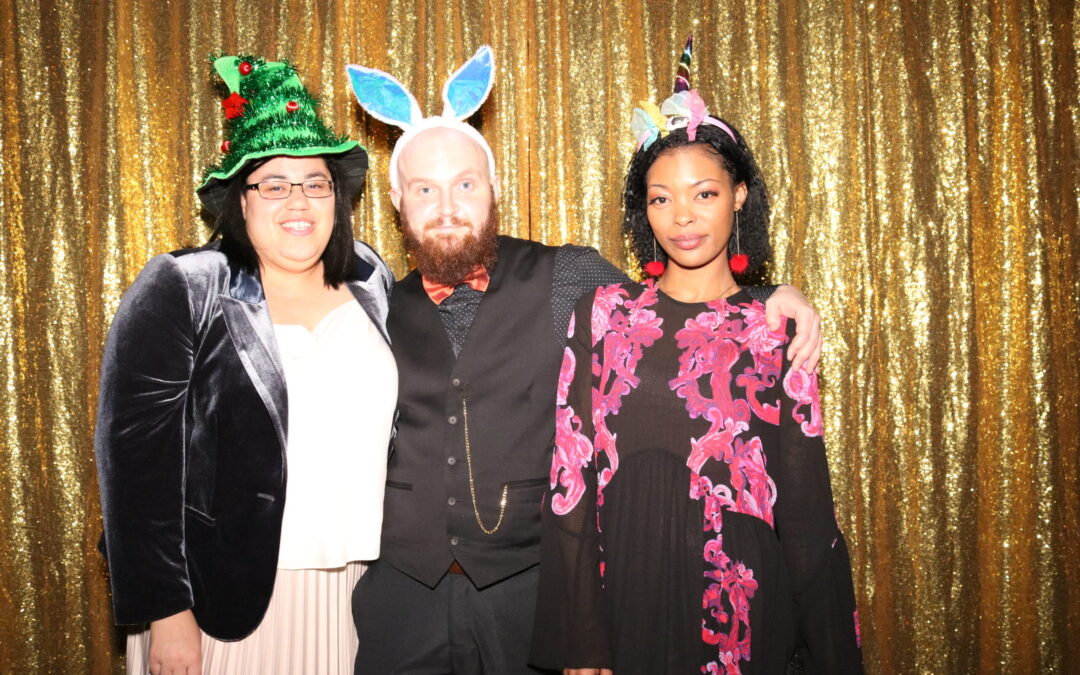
(386, 99)
(684, 108)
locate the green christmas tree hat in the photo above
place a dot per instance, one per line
(270, 113)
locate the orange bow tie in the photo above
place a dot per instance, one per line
(478, 281)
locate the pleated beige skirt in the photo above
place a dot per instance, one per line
(308, 628)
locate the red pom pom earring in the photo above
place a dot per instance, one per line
(654, 268)
(739, 261)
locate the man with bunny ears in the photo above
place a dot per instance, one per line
(478, 330)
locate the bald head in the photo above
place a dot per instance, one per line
(441, 152)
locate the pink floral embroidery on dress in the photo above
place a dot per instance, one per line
(768, 359)
(759, 339)
(734, 586)
(802, 387)
(573, 451)
(625, 335)
(712, 344)
(605, 301)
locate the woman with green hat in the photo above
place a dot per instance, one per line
(246, 406)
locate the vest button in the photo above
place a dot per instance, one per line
(454, 541)
(451, 501)
(456, 382)
(451, 461)
(452, 419)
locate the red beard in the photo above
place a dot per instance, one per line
(448, 261)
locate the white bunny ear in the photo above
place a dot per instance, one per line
(470, 85)
(384, 97)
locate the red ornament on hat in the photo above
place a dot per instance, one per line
(292, 106)
(654, 268)
(739, 263)
(225, 145)
(234, 105)
(244, 68)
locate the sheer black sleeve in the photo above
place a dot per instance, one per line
(571, 620)
(814, 548)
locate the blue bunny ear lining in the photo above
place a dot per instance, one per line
(467, 89)
(384, 97)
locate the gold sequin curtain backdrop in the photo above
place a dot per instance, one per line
(922, 160)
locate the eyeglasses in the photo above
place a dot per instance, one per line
(280, 189)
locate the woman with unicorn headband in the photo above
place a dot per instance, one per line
(690, 527)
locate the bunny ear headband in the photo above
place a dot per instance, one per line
(684, 108)
(386, 99)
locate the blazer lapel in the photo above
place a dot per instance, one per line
(370, 287)
(252, 333)
(373, 303)
(248, 318)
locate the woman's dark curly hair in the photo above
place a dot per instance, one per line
(737, 160)
(231, 228)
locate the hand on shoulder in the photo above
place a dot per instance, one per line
(805, 348)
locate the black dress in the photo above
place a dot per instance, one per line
(690, 524)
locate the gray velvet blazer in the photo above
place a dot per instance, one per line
(190, 439)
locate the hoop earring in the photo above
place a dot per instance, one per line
(654, 268)
(739, 261)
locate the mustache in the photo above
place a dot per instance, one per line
(438, 222)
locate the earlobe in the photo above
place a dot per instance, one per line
(740, 195)
(395, 199)
(496, 187)
(243, 205)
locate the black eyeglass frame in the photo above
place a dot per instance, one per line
(255, 186)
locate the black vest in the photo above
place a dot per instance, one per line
(506, 372)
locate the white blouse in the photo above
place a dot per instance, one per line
(342, 388)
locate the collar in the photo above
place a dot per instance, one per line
(478, 281)
(246, 286)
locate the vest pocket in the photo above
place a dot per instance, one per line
(398, 485)
(523, 499)
(200, 516)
